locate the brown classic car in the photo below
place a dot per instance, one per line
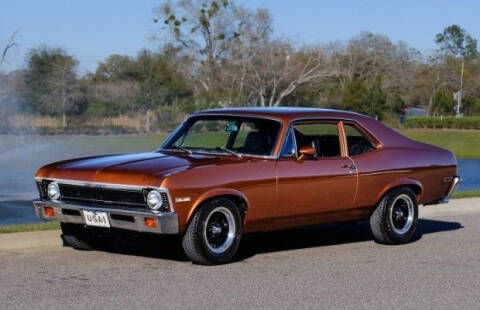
(226, 172)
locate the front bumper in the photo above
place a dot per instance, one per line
(167, 223)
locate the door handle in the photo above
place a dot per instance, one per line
(349, 166)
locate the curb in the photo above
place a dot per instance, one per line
(28, 240)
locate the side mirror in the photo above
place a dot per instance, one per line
(307, 151)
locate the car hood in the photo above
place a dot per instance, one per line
(145, 169)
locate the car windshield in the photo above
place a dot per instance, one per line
(225, 134)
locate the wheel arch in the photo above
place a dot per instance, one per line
(236, 196)
(413, 184)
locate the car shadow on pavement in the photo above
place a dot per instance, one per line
(325, 235)
(169, 247)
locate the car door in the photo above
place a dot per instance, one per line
(308, 187)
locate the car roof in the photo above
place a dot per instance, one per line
(285, 113)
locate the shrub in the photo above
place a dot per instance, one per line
(471, 122)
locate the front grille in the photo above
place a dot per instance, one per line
(101, 196)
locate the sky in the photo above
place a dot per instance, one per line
(93, 29)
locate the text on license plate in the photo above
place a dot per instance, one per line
(96, 218)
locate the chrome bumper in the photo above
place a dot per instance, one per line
(453, 186)
(167, 223)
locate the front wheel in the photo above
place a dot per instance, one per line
(213, 235)
(395, 218)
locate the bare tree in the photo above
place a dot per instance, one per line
(274, 70)
(64, 87)
(10, 44)
(208, 33)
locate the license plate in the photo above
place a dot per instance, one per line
(95, 218)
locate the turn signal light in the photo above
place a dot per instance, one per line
(49, 211)
(150, 222)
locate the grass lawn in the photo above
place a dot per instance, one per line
(464, 143)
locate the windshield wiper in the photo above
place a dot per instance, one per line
(229, 151)
(182, 148)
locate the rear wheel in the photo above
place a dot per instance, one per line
(395, 218)
(213, 235)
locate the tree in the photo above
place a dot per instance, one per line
(116, 68)
(233, 57)
(10, 86)
(136, 85)
(51, 82)
(456, 42)
(375, 102)
(354, 96)
(443, 102)
(277, 70)
(367, 99)
(10, 44)
(160, 84)
(204, 30)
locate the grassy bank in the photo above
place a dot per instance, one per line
(466, 194)
(29, 227)
(464, 143)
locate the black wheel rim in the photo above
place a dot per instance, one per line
(402, 213)
(219, 230)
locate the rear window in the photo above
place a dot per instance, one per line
(357, 142)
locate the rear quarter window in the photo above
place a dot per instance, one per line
(357, 142)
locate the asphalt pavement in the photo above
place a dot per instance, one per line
(322, 267)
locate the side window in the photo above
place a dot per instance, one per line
(357, 142)
(322, 136)
(288, 148)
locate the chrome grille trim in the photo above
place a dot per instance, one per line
(112, 186)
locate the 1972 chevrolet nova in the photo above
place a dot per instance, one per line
(225, 172)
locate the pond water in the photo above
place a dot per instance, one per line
(469, 171)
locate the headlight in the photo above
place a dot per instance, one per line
(53, 191)
(154, 200)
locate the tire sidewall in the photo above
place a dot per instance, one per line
(204, 213)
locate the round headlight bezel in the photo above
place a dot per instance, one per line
(154, 200)
(53, 191)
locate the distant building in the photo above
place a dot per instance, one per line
(411, 112)
(415, 112)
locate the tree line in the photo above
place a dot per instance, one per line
(215, 53)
